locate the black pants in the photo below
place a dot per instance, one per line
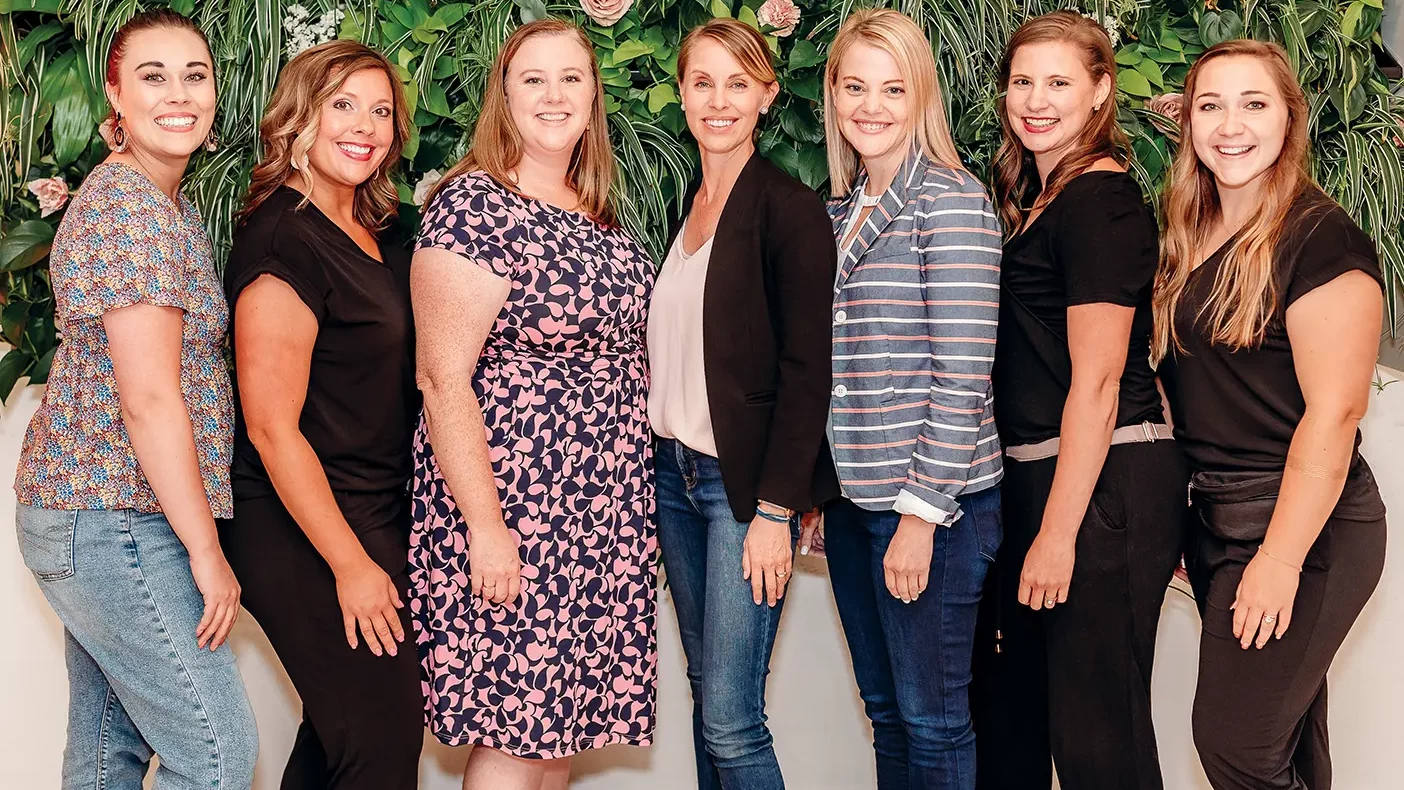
(362, 715)
(1260, 715)
(1073, 683)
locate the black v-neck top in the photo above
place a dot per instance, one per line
(362, 401)
(1096, 242)
(1238, 410)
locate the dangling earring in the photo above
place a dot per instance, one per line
(212, 141)
(119, 135)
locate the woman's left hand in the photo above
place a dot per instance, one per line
(1263, 604)
(766, 559)
(1048, 570)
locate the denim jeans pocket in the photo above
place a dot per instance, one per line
(983, 513)
(46, 541)
(989, 530)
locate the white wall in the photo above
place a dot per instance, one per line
(820, 732)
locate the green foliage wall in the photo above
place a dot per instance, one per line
(53, 53)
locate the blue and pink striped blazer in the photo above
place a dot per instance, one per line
(916, 305)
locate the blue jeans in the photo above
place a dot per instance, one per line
(120, 582)
(726, 636)
(912, 661)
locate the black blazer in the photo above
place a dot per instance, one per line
(766, 340)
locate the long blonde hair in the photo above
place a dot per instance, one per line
(1014, 170)
(294, 117)
(898, 36)
(497, 143)
(1245, 293)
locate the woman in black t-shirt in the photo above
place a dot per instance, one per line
(324, 352)
(1093, 493)
(1268, 311)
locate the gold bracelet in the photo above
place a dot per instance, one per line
(1270, 556)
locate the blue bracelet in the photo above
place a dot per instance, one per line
(777, 518)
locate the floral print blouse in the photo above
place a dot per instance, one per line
(124, 242)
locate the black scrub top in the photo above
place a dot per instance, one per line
(1096, 242)
(1238, 410)
(362, 401)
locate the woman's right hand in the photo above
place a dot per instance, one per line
(494, 564)
(216, 582)
(368, 600)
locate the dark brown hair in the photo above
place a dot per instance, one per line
(153, 19)
(294, 117)
(1014, 170)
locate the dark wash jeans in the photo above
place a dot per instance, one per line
(726, 637)
(912, 661)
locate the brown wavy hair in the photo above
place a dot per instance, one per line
(497, 143)
(293, 120)
(1245, 296)
(1015, 174)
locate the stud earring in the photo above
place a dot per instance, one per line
(765, 110)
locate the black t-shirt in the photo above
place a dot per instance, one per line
(1237, 410)
(362, 401)
(1096, 242)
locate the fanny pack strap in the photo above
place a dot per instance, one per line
(1131, 434)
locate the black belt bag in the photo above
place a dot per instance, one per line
(1238, 506)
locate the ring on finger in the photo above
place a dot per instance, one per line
(1269, 619)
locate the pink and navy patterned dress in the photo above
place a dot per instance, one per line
(563, 385)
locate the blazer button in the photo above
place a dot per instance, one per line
(840, 316)
(840, 391)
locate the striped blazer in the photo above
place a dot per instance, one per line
(916, 305)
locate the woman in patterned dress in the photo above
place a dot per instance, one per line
(125, 466)
(532, 547)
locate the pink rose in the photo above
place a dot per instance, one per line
(782, 15)
(1168, 105)
(606, 12)
(52, 194)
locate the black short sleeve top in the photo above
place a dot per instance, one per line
(1238, 410)
(1096, 242)
(362, 401)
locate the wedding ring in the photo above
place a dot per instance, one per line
(782, 574)
(1269, 618)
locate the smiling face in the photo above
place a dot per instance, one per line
(722, 102)
(355, 129)
(1051, 97)
(1238, 120)
(550, 93)
(873, 104)
(165, 92)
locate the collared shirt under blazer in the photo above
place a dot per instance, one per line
(916, 306)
